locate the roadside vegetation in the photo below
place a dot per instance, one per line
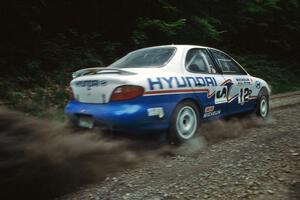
(43, 42)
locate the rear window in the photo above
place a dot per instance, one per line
(146, 58)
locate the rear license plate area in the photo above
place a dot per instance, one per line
(86, 122)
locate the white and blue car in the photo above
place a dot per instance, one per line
(173, 88)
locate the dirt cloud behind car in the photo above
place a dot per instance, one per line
(41, 159)
(44, 159)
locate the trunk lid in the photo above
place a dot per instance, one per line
(95, 85)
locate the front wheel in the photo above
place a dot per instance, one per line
(184, 122)
(262, 106)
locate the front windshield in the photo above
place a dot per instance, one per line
(145, 58)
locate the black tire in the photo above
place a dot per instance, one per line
(184, 122)
(262, 104)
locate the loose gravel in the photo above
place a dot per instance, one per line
(261, 160)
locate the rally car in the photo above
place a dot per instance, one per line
(171, 88)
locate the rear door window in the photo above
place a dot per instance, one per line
(199, 61)
(227, 64)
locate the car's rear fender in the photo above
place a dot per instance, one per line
(143, 111)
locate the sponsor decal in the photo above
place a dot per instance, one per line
(232, 98)
(103, 96)
(180, 82)
(228, 81)
(156, 112)
(257, 84)
(209, 109)
(243, 81)
(90, 83)
(211, 114)
(221, 95)
(188, 84)
(244, 95)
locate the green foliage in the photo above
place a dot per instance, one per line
(71, 49)
(206, 30)
(261, 6)
(150, 31)
(39, 101)
(167, 28)
(282, 76)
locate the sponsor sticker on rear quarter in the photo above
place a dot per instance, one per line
(209, 109)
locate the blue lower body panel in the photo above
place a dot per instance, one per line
(129, 116)
(133, 115)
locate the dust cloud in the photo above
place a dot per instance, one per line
(218, 130)
(44, 160)
(40, 159)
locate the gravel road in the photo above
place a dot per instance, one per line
(260, 160)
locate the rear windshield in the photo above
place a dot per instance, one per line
(145, 58)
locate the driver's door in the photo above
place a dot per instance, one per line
(240, 84)
(208, 87)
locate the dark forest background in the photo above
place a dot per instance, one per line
(43, 41)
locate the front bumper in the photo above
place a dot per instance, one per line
(132, 116)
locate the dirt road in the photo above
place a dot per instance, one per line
(261, 160)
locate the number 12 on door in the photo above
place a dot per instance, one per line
(244, 95)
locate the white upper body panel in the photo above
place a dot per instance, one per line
(98, 87)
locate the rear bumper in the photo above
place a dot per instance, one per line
(130, 116)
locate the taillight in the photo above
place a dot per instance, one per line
(126, 92)
(70, 92)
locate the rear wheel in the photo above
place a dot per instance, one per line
(262, 105)
(184, 122)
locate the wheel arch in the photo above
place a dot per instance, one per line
(263, 90)
(195, 101)
(191, 99)
(172, 135)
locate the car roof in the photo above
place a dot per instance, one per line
(178, 46)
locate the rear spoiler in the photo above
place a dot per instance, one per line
(100, 70)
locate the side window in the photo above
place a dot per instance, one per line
(199, 61)
(227, 65)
